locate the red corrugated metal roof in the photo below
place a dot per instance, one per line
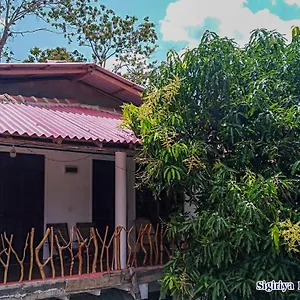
(52, 118)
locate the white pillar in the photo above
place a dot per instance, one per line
(121, 201)
(131, 205)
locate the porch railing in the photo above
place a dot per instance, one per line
(77, 256)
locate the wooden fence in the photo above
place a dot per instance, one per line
(78, 255)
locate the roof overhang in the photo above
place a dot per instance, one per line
(65, 145)
(86, 73)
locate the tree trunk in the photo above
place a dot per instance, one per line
(3, 40)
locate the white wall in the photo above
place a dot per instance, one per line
(188, 207)
(68, 196)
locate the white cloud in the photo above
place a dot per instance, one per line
(291, 2)
(112, 62)
(109, 65)
(234, 20)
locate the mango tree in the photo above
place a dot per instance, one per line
(222, 123)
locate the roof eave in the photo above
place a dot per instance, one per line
(77, 70)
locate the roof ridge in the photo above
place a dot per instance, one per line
(34, 99)
(7, 98)
(100, 108)
(43, 101)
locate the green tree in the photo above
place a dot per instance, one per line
(58, 53)
(13, 11)
(128, 41)
(222, 124)
(295, 31)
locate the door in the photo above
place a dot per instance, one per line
(104, 195)
(21, 197)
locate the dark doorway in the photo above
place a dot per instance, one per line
(104, 195)
(22, 197)
(156, 210)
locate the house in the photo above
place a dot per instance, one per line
(64, 161)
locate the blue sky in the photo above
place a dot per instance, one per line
(181, 23)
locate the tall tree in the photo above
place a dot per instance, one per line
(128, 42)
(13, 11)
(58, 53)
(222, 124)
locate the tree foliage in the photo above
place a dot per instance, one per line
(222, 124)
(127, 40)
(58, 53)
(13, 11)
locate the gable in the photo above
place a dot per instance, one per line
(61, 89)
(86, 82)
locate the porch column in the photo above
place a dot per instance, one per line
(121, 201)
